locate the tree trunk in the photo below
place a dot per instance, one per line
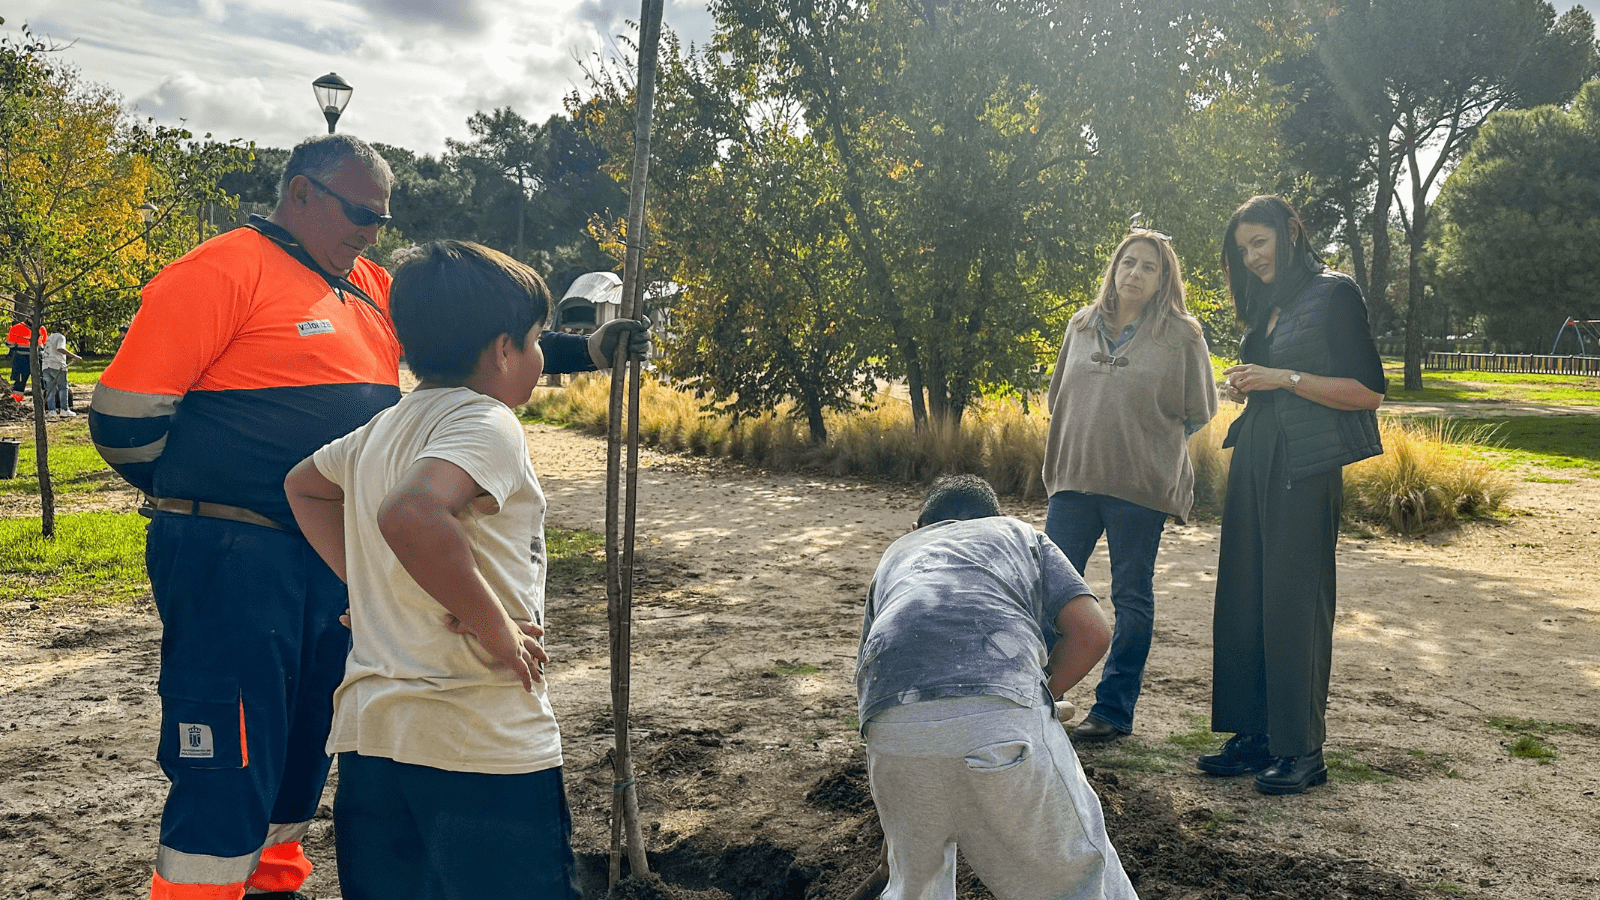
(1382, 248)
(1358, 254)
(1415, 297)
(814, 421)
(41, 434)
(522, 214)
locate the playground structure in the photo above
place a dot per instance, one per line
(1579, 327)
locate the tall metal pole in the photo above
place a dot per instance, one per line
(619, 559)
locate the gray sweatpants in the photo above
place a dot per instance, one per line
(1002, 782)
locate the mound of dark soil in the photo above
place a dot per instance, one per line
(11, 410)
(1169, 856)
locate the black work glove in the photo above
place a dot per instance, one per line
(636, 333)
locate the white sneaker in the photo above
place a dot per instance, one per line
(68, 414)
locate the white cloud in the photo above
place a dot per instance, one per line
(420, 68)
(465, 17)
(233, 106)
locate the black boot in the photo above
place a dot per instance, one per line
(1292, 774)
(1241, 755)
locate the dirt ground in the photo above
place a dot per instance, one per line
(751, 775)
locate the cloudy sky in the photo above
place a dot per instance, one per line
(243, 68)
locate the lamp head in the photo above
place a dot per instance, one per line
(332, 94)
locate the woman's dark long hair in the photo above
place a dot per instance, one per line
(1254, 300)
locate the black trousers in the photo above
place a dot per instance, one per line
(1272, 626)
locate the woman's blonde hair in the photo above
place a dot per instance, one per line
(1167, 305)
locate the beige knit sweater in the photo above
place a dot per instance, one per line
(1119, 430)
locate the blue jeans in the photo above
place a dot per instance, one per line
(1075, 522)
(56, 395)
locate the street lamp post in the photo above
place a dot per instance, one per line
(332, 93)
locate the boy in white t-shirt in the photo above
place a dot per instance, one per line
(450, 779)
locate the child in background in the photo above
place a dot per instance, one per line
(450, 778)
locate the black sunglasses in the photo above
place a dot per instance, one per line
(1114, 361)
(359, 216)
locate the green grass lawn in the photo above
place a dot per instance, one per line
(75, 467)
(87, 370)
(1560, 442)
(95, 556)
(1504, 387)
(98, 557)
(1467, 387)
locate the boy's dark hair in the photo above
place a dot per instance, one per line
(451, 299)
(958, 497)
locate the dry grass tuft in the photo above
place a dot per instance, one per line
(1426, 480)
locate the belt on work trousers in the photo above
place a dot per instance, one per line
(216, 511)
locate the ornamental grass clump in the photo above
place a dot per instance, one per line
(1210, 461)
(1013, 446)
(1427, 479)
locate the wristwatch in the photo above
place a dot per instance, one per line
(1294, 382)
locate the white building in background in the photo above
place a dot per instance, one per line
(593, 300)
(596, 298)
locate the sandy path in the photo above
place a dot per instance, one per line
(748, 618)
(1434, 637)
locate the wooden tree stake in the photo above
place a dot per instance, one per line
(619, 559)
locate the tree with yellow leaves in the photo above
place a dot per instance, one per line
(89, 204)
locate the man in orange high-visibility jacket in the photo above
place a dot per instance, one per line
(276, 338)
(17, 341)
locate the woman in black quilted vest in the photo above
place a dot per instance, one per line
(1311, 379)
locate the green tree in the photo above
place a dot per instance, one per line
(768, 286)
(77, 180)
(256, 185)
(1520, 220)
(513, 149)
(1414, 80)
(982, 157)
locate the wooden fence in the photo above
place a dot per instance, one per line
(1513, 362)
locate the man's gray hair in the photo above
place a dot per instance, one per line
(321, 156)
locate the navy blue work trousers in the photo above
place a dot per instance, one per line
(427, 834)
(251, 651)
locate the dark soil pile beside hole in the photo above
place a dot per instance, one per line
(1169, 856)
(1172, 856)
(845, 789)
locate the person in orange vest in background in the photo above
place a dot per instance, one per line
(22, 355)
(276, 337)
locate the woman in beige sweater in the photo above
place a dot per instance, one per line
(1132, 382)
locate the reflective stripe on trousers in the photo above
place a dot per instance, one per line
(279, 865)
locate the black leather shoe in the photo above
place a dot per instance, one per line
(1292, 774)
(1093, 729)
(1241, 755)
